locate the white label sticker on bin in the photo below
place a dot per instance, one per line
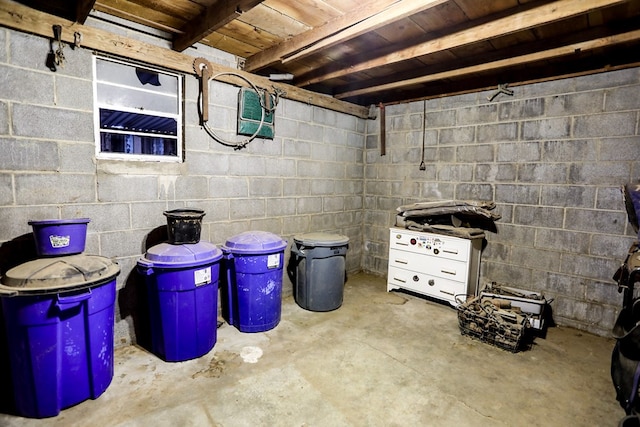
(273, 261)
(59, 241)
(202, 277)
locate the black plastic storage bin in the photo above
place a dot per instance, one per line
(184, 225)
(319, 275)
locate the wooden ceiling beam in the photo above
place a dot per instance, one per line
(276, 53)
(570, 49)
(387, 16)
(541, 15)
(83, 9)
(22, 18)
(213, 18)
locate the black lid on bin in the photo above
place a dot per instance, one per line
(321, 239)
(59, 274)
(254, 242)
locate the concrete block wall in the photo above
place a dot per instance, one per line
(309, 178)
(553, 158)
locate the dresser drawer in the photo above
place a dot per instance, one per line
(433, 265)
(430, 244)
(426, 284)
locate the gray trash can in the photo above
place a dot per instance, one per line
(319, 270)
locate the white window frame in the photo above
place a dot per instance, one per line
(179, 116)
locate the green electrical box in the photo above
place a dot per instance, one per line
(250, 113)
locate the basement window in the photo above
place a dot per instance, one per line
(138, 112)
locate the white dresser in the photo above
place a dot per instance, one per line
(435, 265)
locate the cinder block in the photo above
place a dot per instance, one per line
(15, 219)
(228, 187)
(440, 119)
(610, 198)
(247, 208)
(546, 217)
(601, 173)
(309, 205)
(123, 243)
(562, 240)
(247, 166)
(26, 86)
(458, 135)
(589, 266)
(570, 151)
(278, 207)
(543, 172)
(474, 192)
(321, 187)
(29, 155)
(574, 196)
(77, 156)
(323, 152)
(4, 118)
(607, 125)
(6, 190)
(592, 220)
(104, 217)
(542, 259)
(622, 149)
(550, 128)
(575, 104)
(54, 188)
(487, 113)
(74, 93)
(518, 194)
(475, 153)
(495, 172)
(127, 188)
(455, 172)
(332, 203)
(522, 109)
(36, 121)
(310, 132)
(498, 132)
(265, 187)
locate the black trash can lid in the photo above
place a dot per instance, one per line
(59, 274)
(321, 239)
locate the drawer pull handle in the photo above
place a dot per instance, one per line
(453, 273)
(399, 280)
(402, 244)
(401, 261)
(450, 251)
(448, 293)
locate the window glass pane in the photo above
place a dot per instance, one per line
(119, 96)
(138, 112)
(134, 122)
(137, 144)
(136, 77)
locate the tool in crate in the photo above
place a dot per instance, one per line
(489, 321)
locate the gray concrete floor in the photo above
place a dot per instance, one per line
(382, 359)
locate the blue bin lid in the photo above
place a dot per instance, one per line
(321, 239)
(254, 242)
(166, 255)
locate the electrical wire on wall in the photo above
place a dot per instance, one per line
(424, 134)
(265, 98)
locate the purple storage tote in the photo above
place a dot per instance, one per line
(182, 287)
(252, 295)
(59, 316)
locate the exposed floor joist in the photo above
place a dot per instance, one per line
(213, 18)
(541, 15)
(391, 14)
(83, 8)
(277, 53)
(503, 63)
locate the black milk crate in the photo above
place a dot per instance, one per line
(481, 320)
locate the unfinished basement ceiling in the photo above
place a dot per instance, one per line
(388, 51)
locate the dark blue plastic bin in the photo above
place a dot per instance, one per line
(182, 287)
(59, 320)
(252, 293)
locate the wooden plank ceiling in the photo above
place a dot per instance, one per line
(388, 51)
